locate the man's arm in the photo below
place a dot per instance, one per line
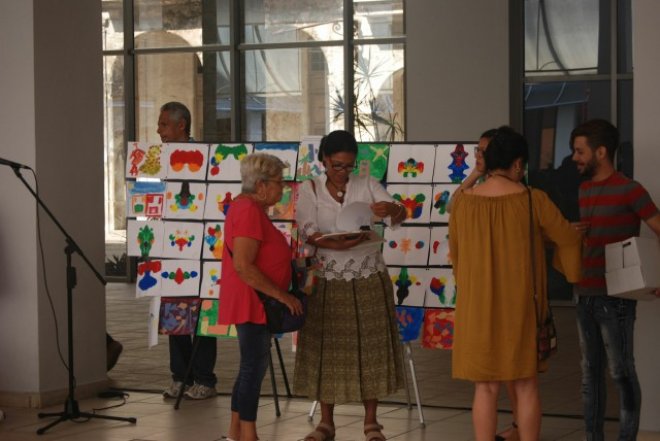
(654, 224)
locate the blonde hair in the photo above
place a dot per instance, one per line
(259, 167)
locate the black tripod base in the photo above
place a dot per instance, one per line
(72, 412)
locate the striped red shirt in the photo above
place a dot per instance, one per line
(614, 209)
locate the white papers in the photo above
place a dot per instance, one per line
(152, 322)
(354, 216)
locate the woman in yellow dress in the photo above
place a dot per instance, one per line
(495, 326)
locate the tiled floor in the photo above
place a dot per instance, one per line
(143, 373)
(207, 420)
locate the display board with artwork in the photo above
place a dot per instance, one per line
(179, 194)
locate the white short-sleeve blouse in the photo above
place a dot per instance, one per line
(317, 211)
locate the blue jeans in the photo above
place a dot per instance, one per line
(254, 345)
(181, 347)
(606, 329)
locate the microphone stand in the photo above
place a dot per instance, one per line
(71, 408)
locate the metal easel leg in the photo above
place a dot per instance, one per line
(411, 363)
(282, 367)
(310, 417)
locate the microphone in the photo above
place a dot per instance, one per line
(13, 164)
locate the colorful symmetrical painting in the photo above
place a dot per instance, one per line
(439, 252)
(442, 194)
(406, 246)
(213, 240)
(208, 322)
(145, 199)
(180, 278)
(211, 276)
(144, 238)
(185, 200)
(149, 282)
(285, 208)
(287, 152)
(411, 163)
(224, 161)
(145, 160)
(410, 321)
(183, 240)
(438, 332)
(440, 288)
(372, 160)
(308, 164)
(178, 316)
(416, 199)
(218, 198)
(186, 161)
(453, 162)
(409, 285)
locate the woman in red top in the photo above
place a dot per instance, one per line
(256, 257)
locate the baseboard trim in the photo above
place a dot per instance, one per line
(38, 400)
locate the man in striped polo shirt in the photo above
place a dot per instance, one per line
(611, 210)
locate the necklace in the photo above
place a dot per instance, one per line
(338, 191)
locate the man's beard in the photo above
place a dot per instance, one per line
(590, 168)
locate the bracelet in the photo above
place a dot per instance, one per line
(401, 209)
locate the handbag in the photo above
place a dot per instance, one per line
(279, 319)
(546, 332)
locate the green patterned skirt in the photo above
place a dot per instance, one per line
(349, 349)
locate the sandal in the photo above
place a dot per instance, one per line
(323, 432)
(373, 432)
(509, 434)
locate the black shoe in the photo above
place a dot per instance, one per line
(113, 351)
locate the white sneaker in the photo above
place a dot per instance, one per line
(174, 389)
(200, 392)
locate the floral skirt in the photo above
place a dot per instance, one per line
(349, 349)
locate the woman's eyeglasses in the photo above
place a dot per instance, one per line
(478, 151)
(339, 167)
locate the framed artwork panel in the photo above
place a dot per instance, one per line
(186, 161)
(224, 161)
(411, 163)
(406, 246)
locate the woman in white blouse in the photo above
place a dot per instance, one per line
(349, 348)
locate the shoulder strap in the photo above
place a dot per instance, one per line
(533, 255)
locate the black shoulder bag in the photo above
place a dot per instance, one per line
(546, 332)
(279, 319)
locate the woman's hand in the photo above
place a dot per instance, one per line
(384, 209)
(396, 212)
(295, 306)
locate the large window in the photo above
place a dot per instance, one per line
(578, 66)
(250, 70)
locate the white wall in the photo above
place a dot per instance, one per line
(19, 351)
(457, 68)
(51, 119)
(646, 115)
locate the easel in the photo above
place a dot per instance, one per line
(406, 356)
(177, 404)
